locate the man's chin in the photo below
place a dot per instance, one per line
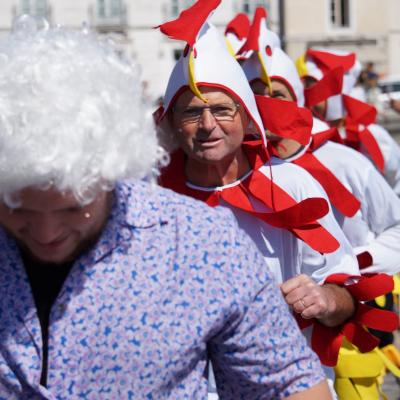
(46, 258)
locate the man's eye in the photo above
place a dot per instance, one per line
(191, 112)
(277, 95)
(221, 109)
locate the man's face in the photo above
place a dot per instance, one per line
(319, 110)
(218, 130)
(51, 227)
(279, 89)
(285, 146)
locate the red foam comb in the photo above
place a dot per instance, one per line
(187, 26)
(254, 32)
(359, 111)
(331, 84)
(239, 26)
(327, 61)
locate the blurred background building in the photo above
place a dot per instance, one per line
(369, 27)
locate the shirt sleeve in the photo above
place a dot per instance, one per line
(391, 154)
(260, 353)
(312, 263)
(343, 260)
(382, 210)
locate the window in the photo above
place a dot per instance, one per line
(34, 7)
(249, 6)
(340, 13)
(109, 8)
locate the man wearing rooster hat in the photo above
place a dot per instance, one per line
(329, 77)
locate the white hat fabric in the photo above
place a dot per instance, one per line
(208, 63)
(284, 69)
(259, 48)
(234, 42)
(319, 62)
(236, 32)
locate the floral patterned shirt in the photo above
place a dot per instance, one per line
(171, 285)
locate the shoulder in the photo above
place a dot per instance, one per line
(206, 246)
(150, 201)
(209, 237)
(344, 156)
(379, 131)
(294, 180)
(319, 125)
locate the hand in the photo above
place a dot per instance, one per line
(330, 304)
(306, 297)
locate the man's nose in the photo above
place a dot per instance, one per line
(45, 229)
(207, 120)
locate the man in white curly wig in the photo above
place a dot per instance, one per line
(112, 288)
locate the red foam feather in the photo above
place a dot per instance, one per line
(327, 61)
(373, 149)
(322, 137)
(285, 118)
(239, 26)
(375, 318)
(359, 111)
(187, 26)
(370, 287)
(338, 194)
(254, 32)
(331, 84)
(356, 334)
(326, 341)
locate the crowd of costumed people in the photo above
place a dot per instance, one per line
(241, 241)
(308, 173)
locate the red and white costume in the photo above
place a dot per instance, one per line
(331, 164)
(373, 224)
(207, 62)
(336, 74)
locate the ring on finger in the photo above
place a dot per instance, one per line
(302, 303)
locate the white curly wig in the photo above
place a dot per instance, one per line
(71, 113)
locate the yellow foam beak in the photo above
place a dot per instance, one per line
(264, 74)
(192, 80)
(229, 47)
(301, 66)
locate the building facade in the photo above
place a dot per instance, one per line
(368, 27)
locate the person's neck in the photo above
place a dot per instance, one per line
(286, 148)
(220, 173)
(338, 123)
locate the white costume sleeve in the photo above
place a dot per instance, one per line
(391, 154)
(382, 208)
(375, 227)
(298, 183)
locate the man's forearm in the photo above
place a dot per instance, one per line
(341, 305)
